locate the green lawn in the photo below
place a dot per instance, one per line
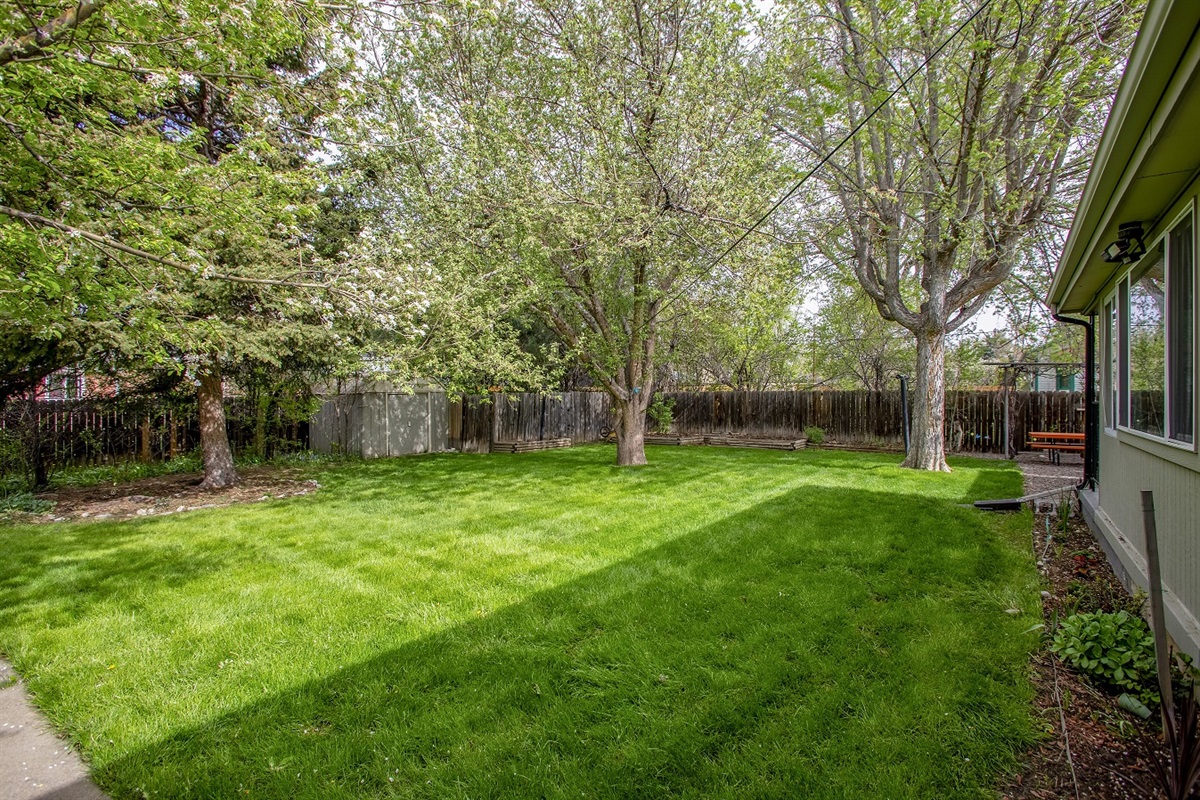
(722, 623)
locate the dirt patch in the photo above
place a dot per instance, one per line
(1093, 748)
(169, 494)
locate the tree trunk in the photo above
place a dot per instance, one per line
(37, 453)
(261, 402)
(144, 455)
(219, 471)
(631, 433)
(928, 447)
(173, 426)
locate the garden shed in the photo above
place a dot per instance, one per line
(376, 419)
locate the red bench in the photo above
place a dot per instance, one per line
(1055, 443)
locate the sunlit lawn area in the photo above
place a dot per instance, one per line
(722, 623)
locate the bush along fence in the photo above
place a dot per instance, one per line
(39, 436)
(975, 420)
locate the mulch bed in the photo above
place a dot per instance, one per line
(1108, 747)
(169, 494)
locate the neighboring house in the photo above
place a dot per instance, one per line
(1055, 379)
(64, 384)
(1130, 266)
(72, 383)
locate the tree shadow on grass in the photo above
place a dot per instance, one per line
(58, 573)
(825, 643)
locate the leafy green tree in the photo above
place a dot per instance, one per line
(592, 157)
(746, 337)
(851, 346)
(932, 201)
(157, 170)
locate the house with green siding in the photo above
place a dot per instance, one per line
(1128, 275)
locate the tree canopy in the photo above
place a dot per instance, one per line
(220, 188)
(599, 154)
(969, 122)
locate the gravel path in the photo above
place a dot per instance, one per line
(1041, 475)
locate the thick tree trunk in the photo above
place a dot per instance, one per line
(631, 433)
(928, 447)
(219, 471)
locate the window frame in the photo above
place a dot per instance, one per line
(1110, 368)
(1118, 299)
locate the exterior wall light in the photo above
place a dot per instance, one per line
(1128, 247)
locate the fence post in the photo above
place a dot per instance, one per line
(1157, 621)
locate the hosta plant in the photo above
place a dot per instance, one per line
(1116, 649)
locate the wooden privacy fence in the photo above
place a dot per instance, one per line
(82, 433)
(478, 420)
(381, 421)
(975, 420)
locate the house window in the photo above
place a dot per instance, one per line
(1149, 336)
(1181, 379)
(1123, 352)
(65, 384)
(1148, 344)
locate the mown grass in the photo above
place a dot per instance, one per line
(719, 624)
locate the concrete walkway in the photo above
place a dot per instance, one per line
(34, 763)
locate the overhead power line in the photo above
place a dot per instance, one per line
(854, 131)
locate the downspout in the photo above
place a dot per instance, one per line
(1091, 420)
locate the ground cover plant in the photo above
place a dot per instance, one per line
(721, 623)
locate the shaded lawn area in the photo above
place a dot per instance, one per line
(722, 623)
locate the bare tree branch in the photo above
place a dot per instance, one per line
(33, 43)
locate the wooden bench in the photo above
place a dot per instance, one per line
(761, 444)
(1054, 443)
(529, 447)
(673, 440)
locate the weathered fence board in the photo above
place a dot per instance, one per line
(975, 420)
(82, 433)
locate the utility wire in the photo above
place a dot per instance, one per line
(854, 131)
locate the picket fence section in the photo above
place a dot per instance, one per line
(975, 420)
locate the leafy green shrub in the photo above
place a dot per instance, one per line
(661, 413)
(12, 462)
(814, 434)
(127, 471)
(1116, 649)
(24, 502)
